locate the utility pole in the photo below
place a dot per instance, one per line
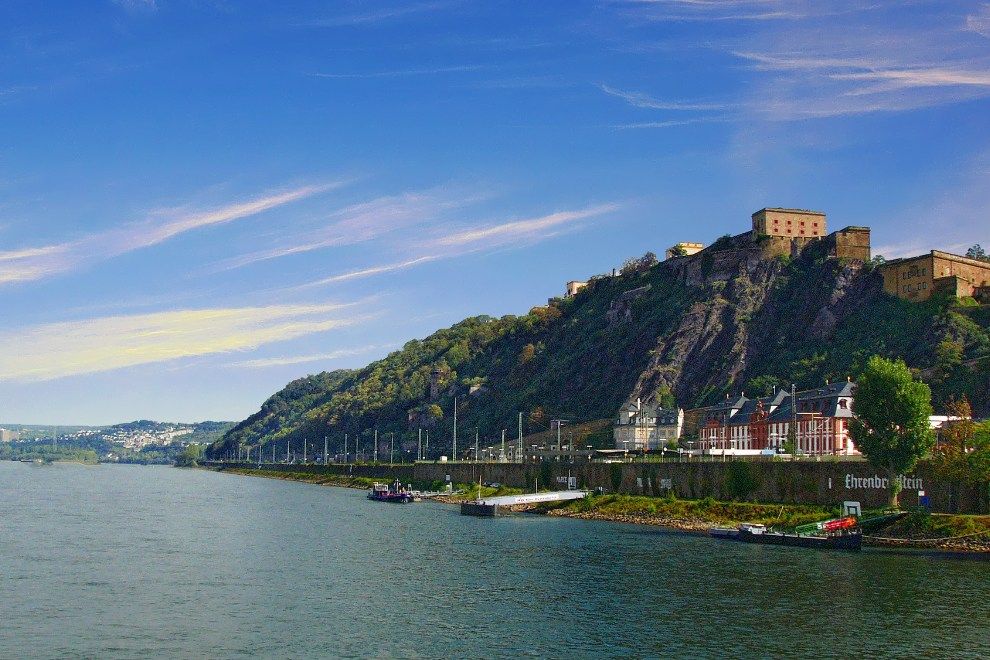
(454, 452)
(559, 422)
(794, 418)
(324, 451)
(375, 451)
(357, 446)
(426, 451)
(519, 447)
(501, 457)
(305, 442)
(419, 446)
(345, 449)
(286, 450)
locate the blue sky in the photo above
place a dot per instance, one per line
(200, 201)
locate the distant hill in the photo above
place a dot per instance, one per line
(141, 441)
(690, 329)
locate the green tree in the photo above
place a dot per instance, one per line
(977, 252)
(190, 456)
(891, 426)
(963, 451)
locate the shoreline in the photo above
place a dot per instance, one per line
(688, 525)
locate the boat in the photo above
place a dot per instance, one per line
(835, 534)
(394, 493)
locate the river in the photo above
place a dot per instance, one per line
(131, 561)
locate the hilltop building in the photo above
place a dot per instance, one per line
(917, 278)
(639, 426)
(683, 249)
(573, 287)
(792, 223)
(6, 435)
(820, 419)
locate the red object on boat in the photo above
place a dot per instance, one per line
(840, 523)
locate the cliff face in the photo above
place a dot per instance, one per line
(732, 317)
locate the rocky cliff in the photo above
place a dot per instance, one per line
(740, 315)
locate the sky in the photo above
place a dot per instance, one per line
(203, 200)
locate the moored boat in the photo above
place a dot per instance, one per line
(394, 493)
(836, 534)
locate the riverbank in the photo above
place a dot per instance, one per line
(340, 480)
(942, 532)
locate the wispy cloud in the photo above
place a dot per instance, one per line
(264, 363)
(980, 21)
(457, 243)
(26, 264)
(520, 230)
(137, 5)
(399, 73)
(371, 271)
(744, 10)
(381, 15)
(58, 350)
(641, 100)
(363, 222)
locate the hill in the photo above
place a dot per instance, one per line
(140, 441)
(736, 316)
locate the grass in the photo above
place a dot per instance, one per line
(468, 492)
(938, 526)
(706, 510)
(311, 478)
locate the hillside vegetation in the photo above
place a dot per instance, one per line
(687, 330)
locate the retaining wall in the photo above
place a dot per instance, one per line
(802, 482)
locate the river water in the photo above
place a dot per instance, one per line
(134, 561)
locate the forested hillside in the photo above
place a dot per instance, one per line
(688, 330)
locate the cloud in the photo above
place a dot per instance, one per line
(980, 22)
(398, 73)
(27, 264)
(530, 228)
(459, 243)
(744, 10)
(72, 348)
(363, 222)
(137, 5)
(640, 100)
(378, 16)
(370, 272)
(264, 363)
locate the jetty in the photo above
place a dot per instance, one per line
(499, 505)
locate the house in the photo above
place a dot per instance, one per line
(571, 288)
(819, 418)
(683, 249)
(641, 426)
(917, 278)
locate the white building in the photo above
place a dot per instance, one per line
(639, 426)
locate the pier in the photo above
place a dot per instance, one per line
(494, 506)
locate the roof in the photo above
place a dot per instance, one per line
(783, 210)
(824, 399)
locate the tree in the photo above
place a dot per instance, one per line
(640, 265)
(891, 426)
(190, 456)
(678, 251)
(977, 252)
(963, 451)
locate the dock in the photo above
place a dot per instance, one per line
(494, 506)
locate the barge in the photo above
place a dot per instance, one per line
(836, 534)
(393, 493)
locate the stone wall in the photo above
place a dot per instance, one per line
(803, 482)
